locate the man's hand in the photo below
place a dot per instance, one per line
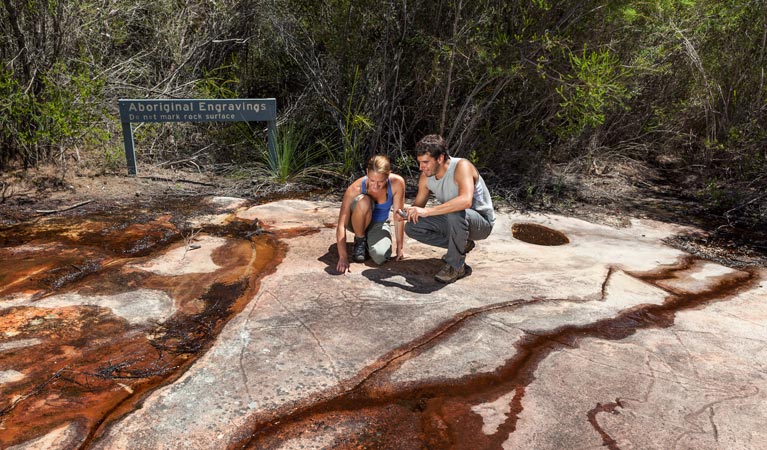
(343, 265)
(400, 255)
(414, 212)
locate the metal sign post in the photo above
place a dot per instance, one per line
(195, 110)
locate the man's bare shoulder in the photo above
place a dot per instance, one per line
(464, 167)
(464, 163)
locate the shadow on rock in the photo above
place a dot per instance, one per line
(330, 258)
(412, 275)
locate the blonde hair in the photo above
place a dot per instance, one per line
(379, 164)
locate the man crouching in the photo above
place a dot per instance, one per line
(465, 213)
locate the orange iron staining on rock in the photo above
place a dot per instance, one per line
(97, 311)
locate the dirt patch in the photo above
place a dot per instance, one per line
(28, 194)
(47, 186)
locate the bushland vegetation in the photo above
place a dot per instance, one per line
(545, 96)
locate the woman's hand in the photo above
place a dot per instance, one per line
(343, 265)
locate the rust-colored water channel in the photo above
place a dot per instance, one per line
(101, 305)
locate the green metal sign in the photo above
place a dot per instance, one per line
(194, 110)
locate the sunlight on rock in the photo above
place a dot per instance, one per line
(401, 282)
(225, 206)
(226, 203)
(187, 259)
(209, 219)
(711, 270)
(288, 214)
(21, 343)
(700, 277)
(14, 300)
(10, 376)
(137, 307)
(64, 437)
(494, 414)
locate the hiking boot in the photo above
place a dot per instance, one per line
(469, 247)
(448, 274)
(359, 252)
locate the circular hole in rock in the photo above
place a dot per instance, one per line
(532, 233)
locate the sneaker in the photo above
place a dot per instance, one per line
(360, 249)
(448, 274)
(469, 247)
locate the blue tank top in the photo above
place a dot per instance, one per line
(380, 210)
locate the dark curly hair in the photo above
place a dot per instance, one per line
(433, 144)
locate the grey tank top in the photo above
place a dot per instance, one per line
(445, 189)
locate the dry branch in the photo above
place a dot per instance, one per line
(54, 211)
(200, 183)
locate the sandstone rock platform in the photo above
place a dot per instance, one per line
(611, 338)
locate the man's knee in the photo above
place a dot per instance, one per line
(409, 228)
(417, 231)
(456, 218)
